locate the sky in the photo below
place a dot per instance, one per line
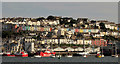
(92, 10)
(60, 0)
(0, 9)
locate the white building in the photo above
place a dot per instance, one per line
(78, 49)
(115, 33)
(29, 22)
(38, 23)
(58, 49)
(69, 49)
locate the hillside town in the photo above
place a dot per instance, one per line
(62, 35)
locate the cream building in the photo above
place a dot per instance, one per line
(29, 22)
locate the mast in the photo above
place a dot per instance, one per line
(115, 48)
(102, 50)
(59, 33)
(83, 45)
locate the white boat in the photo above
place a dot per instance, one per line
(38, 56)
(58, 55)
(116, 56)
(102, 55)
(53, 56)
(84, 53)
(69, 56)
(1, 53)
(84, 56)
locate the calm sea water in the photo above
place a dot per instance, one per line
(63, 59)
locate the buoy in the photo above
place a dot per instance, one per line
(85, 56)
(59, 57)
(99, 56)
(102, 56)
(116, 56)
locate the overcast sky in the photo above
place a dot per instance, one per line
(60, 0)
(98, 11)
(0, 9)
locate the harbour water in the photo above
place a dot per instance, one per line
(62, 59)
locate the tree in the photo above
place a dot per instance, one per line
(50, 18)
(83, 26)
(74, 21)
(96, 27)
(65, 20)
(79, 35)
(34, 37)
(102, 25)
(6, 34)
(91, 37)
(109, 37)
(41, 18)
(38, 37)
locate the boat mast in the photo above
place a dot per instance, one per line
(116, 50)
(83, 45)
(59, 33)
(102, 49)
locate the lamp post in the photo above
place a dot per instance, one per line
(59, 33)
(83, 45)
(102, 51)
(115, 49)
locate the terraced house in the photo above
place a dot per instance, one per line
(61, 30)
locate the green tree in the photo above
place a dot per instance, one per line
(96, 27)
(50, 17)
(83, 25)
(102, 25)
(40, 18)
(7, 34)
(91, 37)
(34, 37)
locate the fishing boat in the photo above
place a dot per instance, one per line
(37, 56)
(1, 53)
(69, 56)
(8, 54)
(47, 53)
(85, 56)
(58, 56)
(22, 54)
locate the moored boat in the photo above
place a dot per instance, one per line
(1, 53)
(69, 56)
(8, 54)
(37, 56)
(47, 53)
(22, 54)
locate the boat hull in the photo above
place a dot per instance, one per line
(47, 54)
